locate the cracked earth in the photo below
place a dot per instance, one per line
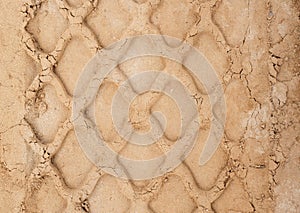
(252, 44)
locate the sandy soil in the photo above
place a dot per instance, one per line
(252, 44)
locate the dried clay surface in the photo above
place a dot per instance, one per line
(252, 44)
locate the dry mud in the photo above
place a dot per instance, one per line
(252, 44)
